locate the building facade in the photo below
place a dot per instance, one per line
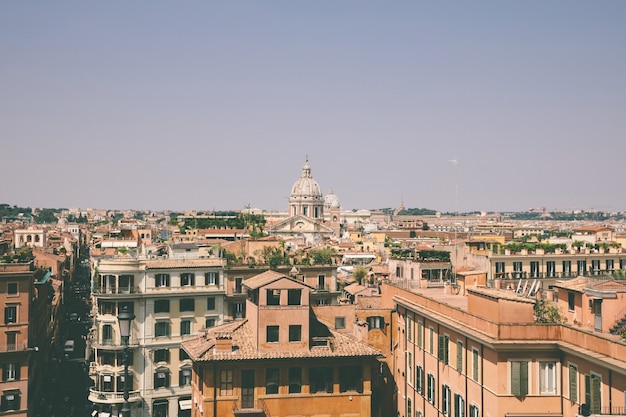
(280, 360)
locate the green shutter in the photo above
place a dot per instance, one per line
(587, 389)
(519, 378)
(595, 394)
(573, 383)
(440, 348)
(459, 356)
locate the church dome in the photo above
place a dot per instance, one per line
(306, 187)
(331, 200)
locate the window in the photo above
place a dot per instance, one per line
(182, 355)
(459, 356)
(107, 334)
(430, 394)
(162, 355)
(10, 401)
(159, 408)
(239, 310)
(593, 395)
(420, 334)
(475, 364)
(409, 329)
(209, 322)
(271, 380)
(534, 269)
(226, 382)
(11, 372)
(519, 378)
(294, 297)
(273, 297)
(499, 269)
(570, 300)
(162, 378)
(340, 323)
(12, 288)
(212, 278)
(610, 265)
(444, 346)
(161, 328)
(517, 269)
(187, 279)
(595, 266)
(295, 333)
(419, 379)
(321, 282)
(184, 377)
(11, 340)
(581, 265)
(550, 269)
(573, 383)
(321, 380)
(161, 306)
(271, 334)
(187, 304)
(350, 379)
(295, 380)
(409, 368)
(375, 322)
(210, 303)
(474, 411)
(547, 377)
(409, 407)
(10, 314)
(431, 347)
(238, 285)
(567, 268)
(185, 327)
(459, 406)
(162, 280)
(445, 400)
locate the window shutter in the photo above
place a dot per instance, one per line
(519, 378)
(573, 383)
(595, 394)
(440, 347)
(587, 389)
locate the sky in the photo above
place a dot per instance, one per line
(195, 105)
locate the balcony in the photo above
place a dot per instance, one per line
(13, 347)
(106, 397)
(585, 410)
(250, 409)
(116, 291)
(113, 344)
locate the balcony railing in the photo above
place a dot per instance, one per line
(106, 397)
(13, 347)
(585, 410)
(109, 290)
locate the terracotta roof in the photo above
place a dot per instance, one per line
(354, 288)
(268, 277)
(201, 348)
(183, 263)
(262, 279)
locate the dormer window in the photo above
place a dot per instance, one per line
(273, 297)
(294, 297)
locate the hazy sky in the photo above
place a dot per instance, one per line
(216, 105)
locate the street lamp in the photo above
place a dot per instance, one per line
(125, 319)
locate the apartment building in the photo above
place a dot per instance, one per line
(483, 355)
(16, 291)
(280, 360)
(172, 299)
(558, 264)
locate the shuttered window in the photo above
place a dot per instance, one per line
(459, 356)
(519, 378)
(444, 346)
(420, 334)
(573, 383)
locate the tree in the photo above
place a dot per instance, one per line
(547, 313)
(323, 256)
(45, 216)
(359, 273)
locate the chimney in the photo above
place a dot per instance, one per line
(224, 342)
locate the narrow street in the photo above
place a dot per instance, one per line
(67, 383)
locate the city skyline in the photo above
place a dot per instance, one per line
(470, 107)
